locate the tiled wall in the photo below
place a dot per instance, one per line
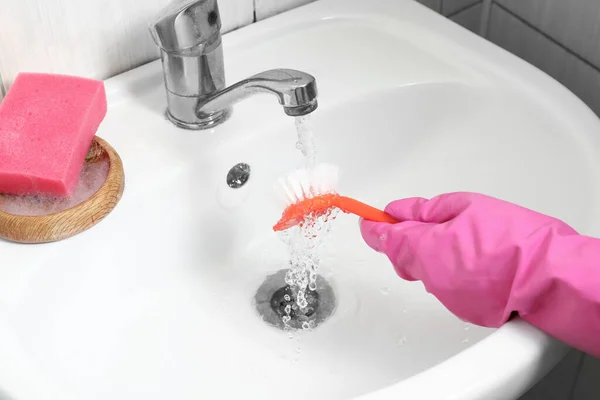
(94, 38)
(464, 12)
(558, 36)
(562, 38)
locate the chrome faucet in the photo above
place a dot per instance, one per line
(189, 37)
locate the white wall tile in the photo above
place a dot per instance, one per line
(470, 18)
(588, 384)
(90, 38)
(573, 23)
(559, 382)
(450, 7)
(512, 34)
(267, 8)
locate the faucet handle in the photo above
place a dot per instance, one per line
(186, 25)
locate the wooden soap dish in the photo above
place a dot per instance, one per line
(64, 224)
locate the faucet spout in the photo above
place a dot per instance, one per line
(295, 90)
(188, 33)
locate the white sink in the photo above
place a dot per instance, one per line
(155, 302)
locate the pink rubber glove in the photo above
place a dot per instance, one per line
(484, 258)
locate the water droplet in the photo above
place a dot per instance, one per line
(385, 291)
(302, 303)
(467, 326)
(312, 286)
(404, 311)
(383, 237)
(465, 340)
(402, 341)
(306, 325)
(287, 297)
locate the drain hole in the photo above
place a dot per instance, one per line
(238, 175)
(284, 299)
(275, 301)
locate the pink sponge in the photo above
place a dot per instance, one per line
(47, 124)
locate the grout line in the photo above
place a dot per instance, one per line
(577, 374)
(465, 8)
(486, 11)
(550, 38)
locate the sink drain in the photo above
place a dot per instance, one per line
(276, 303)
(238, 175)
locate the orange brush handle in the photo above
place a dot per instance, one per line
(319, 205)
(363, 210)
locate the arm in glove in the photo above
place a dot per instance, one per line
(484, 259)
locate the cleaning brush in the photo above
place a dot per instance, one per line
(312, 191)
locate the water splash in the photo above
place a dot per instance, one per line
(304, 243)
(466, 327)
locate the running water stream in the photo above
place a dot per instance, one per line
(306, 140)
(305, 240)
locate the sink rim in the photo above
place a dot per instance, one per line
(532, 352)
(537, 351)
(460, 376)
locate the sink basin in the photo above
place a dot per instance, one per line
(156, 301)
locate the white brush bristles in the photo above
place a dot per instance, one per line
(306, 183)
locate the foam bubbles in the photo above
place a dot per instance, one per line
(91, 179)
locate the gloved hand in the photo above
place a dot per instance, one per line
(484, 259)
